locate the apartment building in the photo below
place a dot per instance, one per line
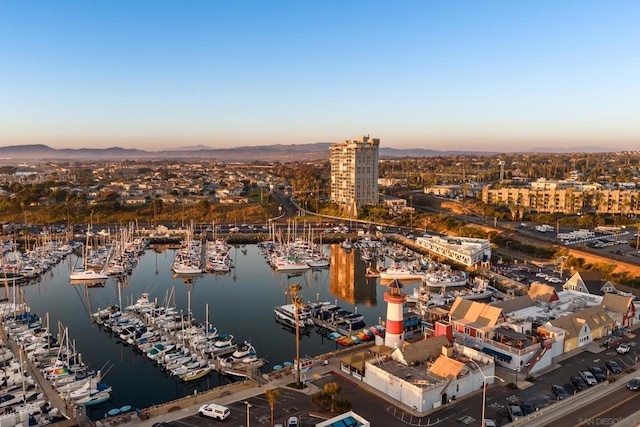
(354, 173)
(565, 200)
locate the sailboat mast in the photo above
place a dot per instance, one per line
(119, 285)
(206, 321)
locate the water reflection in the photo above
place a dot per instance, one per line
(348, 278)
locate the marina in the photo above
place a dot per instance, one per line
(239, 303)
(168, 323)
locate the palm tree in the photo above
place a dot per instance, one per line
(332, 389)
(272, 398)
(294, 289)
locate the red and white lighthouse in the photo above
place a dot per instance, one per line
(395, 298)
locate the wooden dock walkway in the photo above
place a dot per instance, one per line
(335, 328)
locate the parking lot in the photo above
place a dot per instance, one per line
(539, 393)
(528, 273)
(298, 404)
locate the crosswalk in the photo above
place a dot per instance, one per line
(495, 405)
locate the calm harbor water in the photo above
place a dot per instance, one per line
(240, 302)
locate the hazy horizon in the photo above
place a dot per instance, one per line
(481, 76)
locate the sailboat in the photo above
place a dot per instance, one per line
(83, 273)
(188, 258)
(96, 398)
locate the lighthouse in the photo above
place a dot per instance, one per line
(395, 298)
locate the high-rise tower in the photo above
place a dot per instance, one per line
(354, 173)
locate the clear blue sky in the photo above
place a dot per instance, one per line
(483, 75)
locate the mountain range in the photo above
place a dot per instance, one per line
(269, 153)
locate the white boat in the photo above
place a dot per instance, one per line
(480, 291)
(319, 262)
(224, 341)
(16, 397)
(88, 389)
(401, 273)
(83, 273)
(351, 318)
(158, 350)
(188, 367)
(186, 268)
(188, 258)
(68, 387)
(217, 266)
(175, 363)
(32, 411)
(245, 350)
(288, 265)
(445, 279)
(142, 304)
(6, 355)
(107, 312)
(287, 314)
(94, 399)
(17, 379)
(172, 357)
(87, 275)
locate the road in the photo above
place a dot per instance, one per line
(606, 411)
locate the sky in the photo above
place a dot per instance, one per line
(442, 75)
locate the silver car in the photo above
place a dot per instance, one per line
(588, 378)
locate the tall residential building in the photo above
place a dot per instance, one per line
(354, 173)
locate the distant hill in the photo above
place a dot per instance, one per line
(571, 150)
(44, 152)
(269, 153)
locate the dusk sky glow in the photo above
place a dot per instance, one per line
(448, 75)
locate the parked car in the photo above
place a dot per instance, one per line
(489, 422)
(623, 348)
(588, 378)
(559, 391)
(613, 367)
(634, 384)
(599, 373)
(212, 410)
(571, 390)
(515, 412)
(293, 422)
(527, 408)
(542, 401)
(579, 383)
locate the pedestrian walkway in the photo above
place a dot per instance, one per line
(189, 405)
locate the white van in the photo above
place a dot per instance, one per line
(212, 410)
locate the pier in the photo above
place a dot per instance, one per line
(335, 328)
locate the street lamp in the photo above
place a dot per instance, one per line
(248, 407)
(484, 390)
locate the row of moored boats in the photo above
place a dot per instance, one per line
(22, 401)
(178, 345)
